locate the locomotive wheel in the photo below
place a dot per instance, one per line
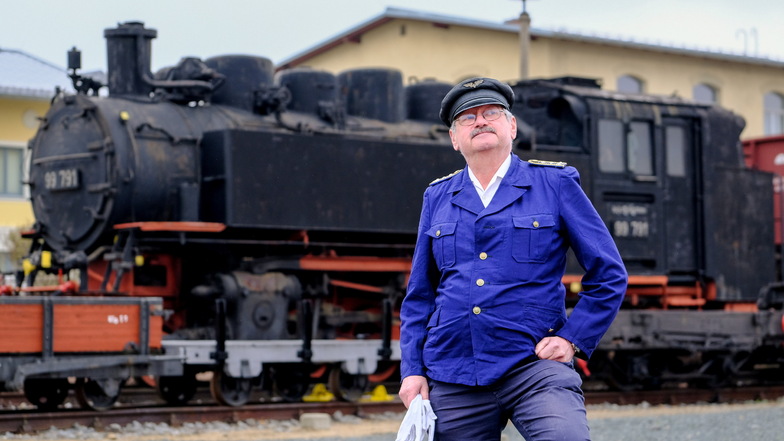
(176, 391)
(97, 394)
(228, 390)
(46, 393)
(345, 386)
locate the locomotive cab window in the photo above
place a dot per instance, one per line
(675, 145)
(625, 148)
(639, 149)
(611, 146)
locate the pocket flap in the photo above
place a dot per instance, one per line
(534, 221)
(442, 229)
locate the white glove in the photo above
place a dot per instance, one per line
(419, 424)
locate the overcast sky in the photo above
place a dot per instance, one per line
(280, 29)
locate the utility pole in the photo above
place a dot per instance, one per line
(525, 42)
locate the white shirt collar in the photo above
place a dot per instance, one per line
(486, 194)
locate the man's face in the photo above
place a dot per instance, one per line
(474, 133)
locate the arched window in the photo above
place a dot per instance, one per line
(705, 93)
(629, 84)
(774, 113)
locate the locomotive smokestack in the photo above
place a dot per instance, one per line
(129, 53)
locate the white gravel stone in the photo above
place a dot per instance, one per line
(315, 421)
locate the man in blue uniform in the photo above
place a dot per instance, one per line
(484, 332)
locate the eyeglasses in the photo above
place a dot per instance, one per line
(491, 114)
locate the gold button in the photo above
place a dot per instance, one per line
(438, 233)
(477, 310)
(536, 224)
(480, 282)
(483, 255)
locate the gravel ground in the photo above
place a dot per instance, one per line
(759, 421)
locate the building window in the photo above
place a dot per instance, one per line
(774, 113)
(629, 84)
(705, 93)
(10, 171)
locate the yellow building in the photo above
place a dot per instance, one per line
(446, 48)
(27, 85)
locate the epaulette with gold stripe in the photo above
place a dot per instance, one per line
(444, 178)
(547, 163)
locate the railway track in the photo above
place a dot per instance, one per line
(32, 421)
(686, 396)
(143, 408)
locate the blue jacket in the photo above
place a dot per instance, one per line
(485, 285)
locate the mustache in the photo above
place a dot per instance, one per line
(485, 129)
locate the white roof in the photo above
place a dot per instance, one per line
(23, 75)
(393, 13)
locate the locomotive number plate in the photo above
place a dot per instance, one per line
(63, 179)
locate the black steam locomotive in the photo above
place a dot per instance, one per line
(262, 225)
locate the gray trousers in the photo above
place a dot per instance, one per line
(543, 400)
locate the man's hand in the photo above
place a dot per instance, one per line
(555, 348)
(411, 387)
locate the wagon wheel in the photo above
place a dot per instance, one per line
(97, 394)
(228, 390)
(176, 391)
(46, 393)
(345, 386)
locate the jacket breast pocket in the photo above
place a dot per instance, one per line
(444, 244)
(531, 237)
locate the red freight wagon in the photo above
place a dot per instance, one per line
(76, 324)
(48, 339)
(767, 154)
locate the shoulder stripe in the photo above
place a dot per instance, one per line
(547, 163)
(444, 178)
